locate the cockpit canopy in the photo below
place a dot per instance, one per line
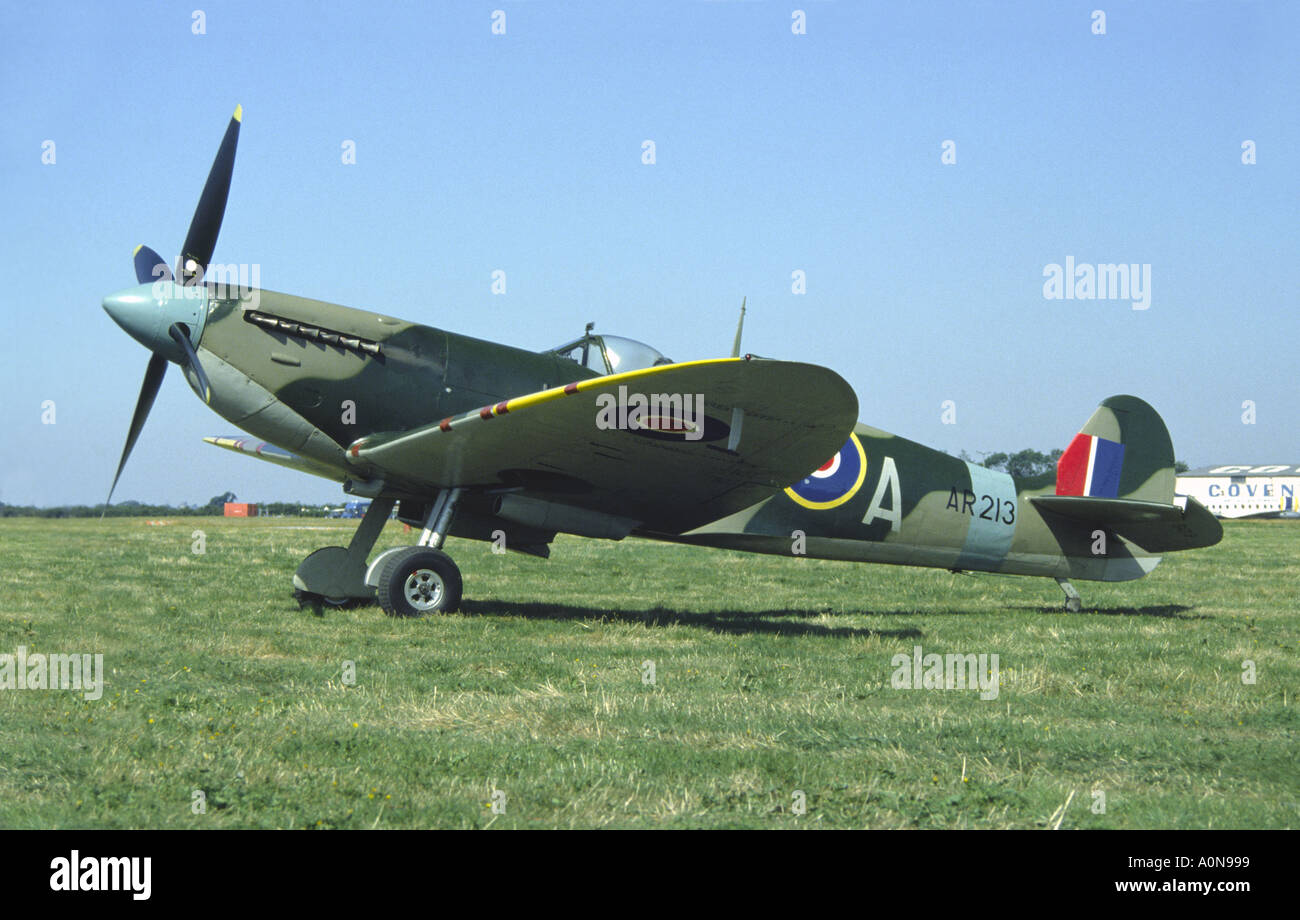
(611, 354)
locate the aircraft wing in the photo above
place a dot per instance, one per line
(556, 444)
(270, 453)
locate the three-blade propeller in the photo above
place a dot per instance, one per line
(196, 254)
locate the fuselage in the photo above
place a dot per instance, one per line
(312, 377)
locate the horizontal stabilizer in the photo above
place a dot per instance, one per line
(1155, 526)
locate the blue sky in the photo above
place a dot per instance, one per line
(775, 152)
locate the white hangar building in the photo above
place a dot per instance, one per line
(1244, 491)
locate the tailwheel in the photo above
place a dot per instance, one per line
(419, 581)
(1073, 602)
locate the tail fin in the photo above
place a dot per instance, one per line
(1118, 473)
(1123, 451)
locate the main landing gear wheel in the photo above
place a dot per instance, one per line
(419, 581)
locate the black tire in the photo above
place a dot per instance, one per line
(419, 581)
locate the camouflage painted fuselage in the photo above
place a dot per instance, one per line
(919, 506)
(314, 377)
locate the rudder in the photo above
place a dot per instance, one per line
(1124, 451)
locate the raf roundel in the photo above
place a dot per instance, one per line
(835, 481)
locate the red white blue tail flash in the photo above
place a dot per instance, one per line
(1090, 466)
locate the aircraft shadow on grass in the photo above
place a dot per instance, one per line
(778, 622)
(785, 622)
(1161, 611)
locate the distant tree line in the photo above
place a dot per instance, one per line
(213, 506)
(1024, 464)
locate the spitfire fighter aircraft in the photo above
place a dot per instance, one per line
(605, 437)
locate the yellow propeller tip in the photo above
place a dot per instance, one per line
(239, 113)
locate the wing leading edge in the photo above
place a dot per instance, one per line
(271, 454)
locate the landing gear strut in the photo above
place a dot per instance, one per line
(1073, 602)
(336, 575)
(422, 579)
(407, 581)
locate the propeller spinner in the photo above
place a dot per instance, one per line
(164, 315)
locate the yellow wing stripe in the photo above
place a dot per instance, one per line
(532, 399)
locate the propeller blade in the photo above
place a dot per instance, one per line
(153, 378)
(182, 338)
(149, 266)
(201, 239)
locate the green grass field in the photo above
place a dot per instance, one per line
(771, 675)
